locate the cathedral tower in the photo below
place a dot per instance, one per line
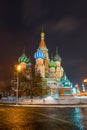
(44, 49)
(59, 69)
(39, 66)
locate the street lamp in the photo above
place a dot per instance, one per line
(85, 80)
(76, 86)
(18, 68)
(83, 84)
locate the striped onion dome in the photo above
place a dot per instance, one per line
(39, 54)
(23, 58)
(57, 57)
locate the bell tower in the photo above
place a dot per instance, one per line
(44, 49)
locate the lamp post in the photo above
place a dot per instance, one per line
(18, 68)
(83, 84)
(76, 86)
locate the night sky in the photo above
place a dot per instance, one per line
(65, 26)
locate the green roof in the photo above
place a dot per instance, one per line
(52, 64)
(23, 58)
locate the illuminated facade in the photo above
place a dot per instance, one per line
(49, 69)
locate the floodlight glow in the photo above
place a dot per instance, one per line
(18, 68)
(85, 80)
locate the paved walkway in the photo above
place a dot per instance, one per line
(43, 105)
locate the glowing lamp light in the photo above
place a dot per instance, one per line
(19, 68)
(85, 80)
(76, 85)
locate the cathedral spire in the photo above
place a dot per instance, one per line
(51, 56)
(56, 50)
(42, 42)
(42, 35)
(24, 49)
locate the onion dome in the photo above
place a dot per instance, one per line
(52, 63)
(57, 57)
(23, 58)
(39, 54)
(42, 42)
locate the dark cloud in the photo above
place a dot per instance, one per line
(65, 25)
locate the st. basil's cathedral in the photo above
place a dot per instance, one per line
(49, 69)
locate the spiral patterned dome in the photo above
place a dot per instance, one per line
(39, 54)
(23, 58)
